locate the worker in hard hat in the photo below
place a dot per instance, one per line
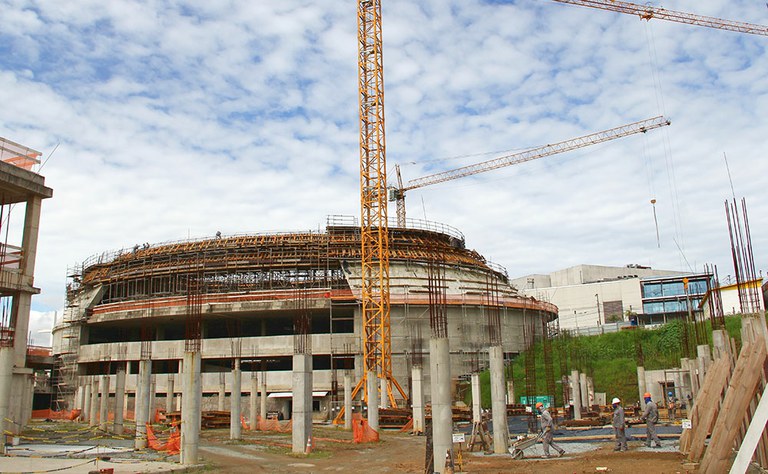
(547, 428)
(650, 416)
(618, 425)
(672, 407)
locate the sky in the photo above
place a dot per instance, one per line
(165, 120)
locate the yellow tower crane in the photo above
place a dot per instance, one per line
(374, 232)
(647, 12)
(398, 194)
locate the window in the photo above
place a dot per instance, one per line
(697, 287)
(652, 290)
(653, 308)
(673, 288)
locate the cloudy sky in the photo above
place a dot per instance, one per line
(176, 119)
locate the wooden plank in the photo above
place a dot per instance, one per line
(753, 436)
(741, 391)
(706, 409)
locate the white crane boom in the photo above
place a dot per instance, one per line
(398, 194)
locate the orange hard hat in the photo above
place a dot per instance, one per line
(539, 405)
(647, 395)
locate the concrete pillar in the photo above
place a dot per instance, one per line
(235, 428)
(94, 415)
(87, 387)
(373, 400)
(720, 345)
(118, 426)
(692, 367)
(143, 388)
(6, 383)
(704, 360)
(590, 391)
(222, 392)
(348, 401)
(152, 398)
(178, 396)
(417, 399)
(359, 367)
(384, 399)
(104, 406)
(584, 391)
(476, 401)
(442, 416)
(576, 394)
(190, 410)
(511, 392)
(498, 400)
(254, 402)
(169, 391)
(78, 405)
(302, 402)
(641, 388)
(263, 397)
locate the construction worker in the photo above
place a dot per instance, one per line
(547, 428)
(650, 416)
(672, 407)
(618, 425)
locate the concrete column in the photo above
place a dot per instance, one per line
(94, 415)
(511, 392)
(263, 397)
(254, 402)
(143, 388)
(178, 396)
(348, 401)
(104, 407)
(359, 367)
(590, 391)
(417, 397)
(190, 410)
(86, 415)
(641, 388)
(79, 398)
(584, 391)
(169, 391)
(118, 426)
(222, 393)
(704, 360)
(576, 394)
(302, 402)
(6, 383)
(235, 428)
(720, 345)
(372, 383)
(442, 416)
(692, 367)
(476, 402)
(384, 399)
(152, 398)
(498, 400)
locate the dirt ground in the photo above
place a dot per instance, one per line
(397, 452)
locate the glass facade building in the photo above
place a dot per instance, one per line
(668, 298)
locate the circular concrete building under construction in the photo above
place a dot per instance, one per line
(246, 292)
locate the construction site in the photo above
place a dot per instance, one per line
(376, 343)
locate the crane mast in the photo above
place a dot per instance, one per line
(647, 12)
(376, 337)
(533, 154)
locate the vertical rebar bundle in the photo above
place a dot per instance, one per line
(492, 310)
(549, 370)
(302, 324)
(743, 259)
(529, 337)
(438, 312)
(716, 314)
(194, 322)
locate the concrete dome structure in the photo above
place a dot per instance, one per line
(133, 303)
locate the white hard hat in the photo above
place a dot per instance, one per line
(615, 401)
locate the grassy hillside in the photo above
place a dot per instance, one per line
(610, 359)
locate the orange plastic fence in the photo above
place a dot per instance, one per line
(55, 415)
(273, 424)
(171, 446)
(362, 432)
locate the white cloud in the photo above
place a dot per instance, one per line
(191, 117)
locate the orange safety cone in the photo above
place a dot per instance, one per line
(308, 449)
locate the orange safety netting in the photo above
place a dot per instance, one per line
(361, 431)
(172, 446)
(55, 415)
(272, 424)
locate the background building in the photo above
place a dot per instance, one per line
(590, 296)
